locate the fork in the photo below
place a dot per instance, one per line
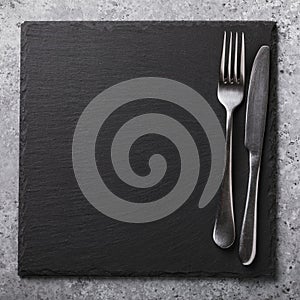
(230, 94)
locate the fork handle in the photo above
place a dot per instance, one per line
(247, 248)
(224, 228)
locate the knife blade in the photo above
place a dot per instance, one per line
(257, 102)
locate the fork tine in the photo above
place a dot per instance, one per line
(242, 65)
(229, 58)
(222, 66)
(235, 75)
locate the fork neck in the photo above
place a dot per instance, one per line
(228, 140)
(229, 114)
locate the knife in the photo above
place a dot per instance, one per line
(257, 102)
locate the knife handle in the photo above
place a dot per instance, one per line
(224, 228)
(247, 247)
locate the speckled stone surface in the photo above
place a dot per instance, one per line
(286, 285)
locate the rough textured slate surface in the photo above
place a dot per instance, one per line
(63, 67)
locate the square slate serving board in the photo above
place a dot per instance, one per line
(66, 66)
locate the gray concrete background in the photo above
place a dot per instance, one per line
(287, 14)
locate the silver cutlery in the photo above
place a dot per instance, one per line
(257, 103)
(230, 93)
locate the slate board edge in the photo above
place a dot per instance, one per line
(22, 147)
(272, 127)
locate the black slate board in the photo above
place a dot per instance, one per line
(64, 65)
